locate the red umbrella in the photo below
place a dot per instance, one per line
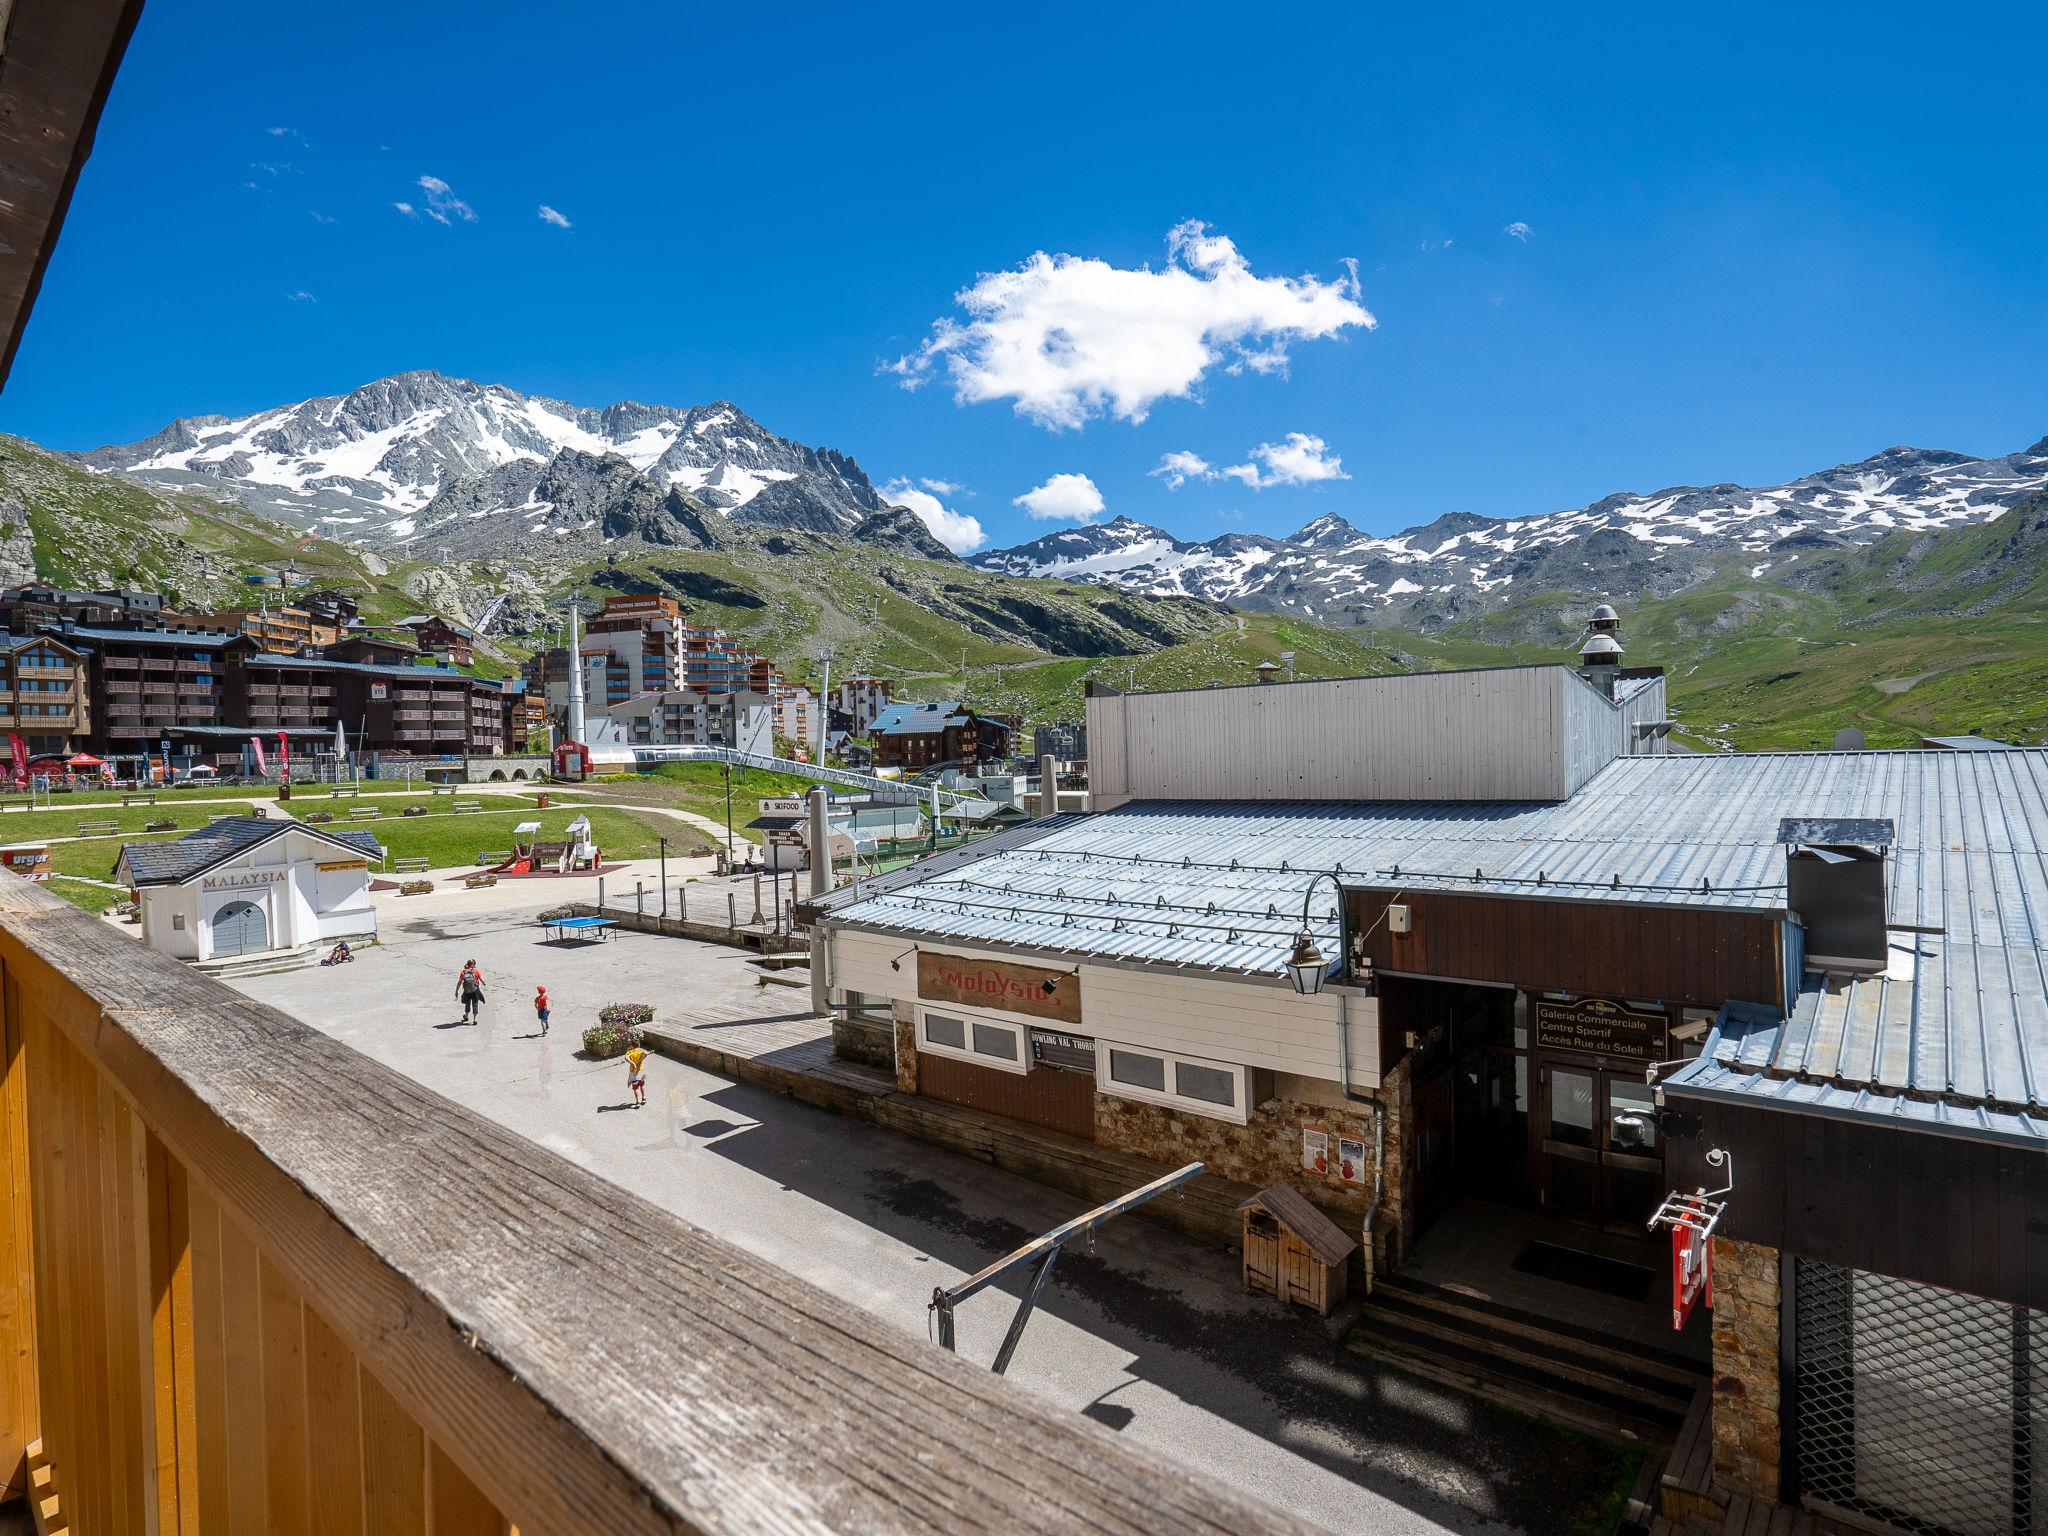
(85, 760)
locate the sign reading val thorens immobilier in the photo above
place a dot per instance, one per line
(995, 984)
(1598, 1026)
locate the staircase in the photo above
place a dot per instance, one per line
(266, 962)
(1558, 1371)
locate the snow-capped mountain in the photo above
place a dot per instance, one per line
(1624, 543)
(384, 463)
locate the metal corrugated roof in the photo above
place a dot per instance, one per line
(1948, 1039)
(1139, 881)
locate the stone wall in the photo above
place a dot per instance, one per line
(871, 1044)
(1266, 1150)
(906, 1044)
(1745, 1382)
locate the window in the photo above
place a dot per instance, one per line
(1212, 1088)
(984, 1040)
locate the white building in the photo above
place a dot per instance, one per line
(863, 698)
(244, 885)
(682, 718)
(800, 716)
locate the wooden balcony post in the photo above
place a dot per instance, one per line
(20, 1420)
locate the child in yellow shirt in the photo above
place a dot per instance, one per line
(636, 1075)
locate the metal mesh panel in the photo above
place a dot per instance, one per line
(1917, 1407)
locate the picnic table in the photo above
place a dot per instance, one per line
(596, 929)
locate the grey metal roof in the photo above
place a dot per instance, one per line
(1950, 1040)
(211, 640)
(1968, 744)
(1139, 882)
(375, 669)
(180, 859)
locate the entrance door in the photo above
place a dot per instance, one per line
(1602, 1160)
(239, 928)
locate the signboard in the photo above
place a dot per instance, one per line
(1692, 1271)
(1315, 1150)
(1070, 1053)
(338, 864)
(31, 862)
(997, 984)
(1350, 1160)
(244, 878)
(1599, 1026)
(380, 690)
(782, 805)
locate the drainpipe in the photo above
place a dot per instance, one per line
(1379, 1123)
(821, 882)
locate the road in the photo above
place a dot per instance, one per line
(1145, 1331)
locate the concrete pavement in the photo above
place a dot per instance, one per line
(1147, 1332)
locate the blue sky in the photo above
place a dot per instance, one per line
(1602, 250)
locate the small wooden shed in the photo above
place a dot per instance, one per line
(1293, 1251)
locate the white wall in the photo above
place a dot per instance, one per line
(301, 904)
(1496, 734)
(1245, 1022)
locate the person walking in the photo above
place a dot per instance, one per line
(469, 987)
(540, 1009)
(636, 1074)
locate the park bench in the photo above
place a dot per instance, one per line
(497, 856)
(441, 789)
(411, 864)
(365, 812)
(468, 805)
(98, 828)
(342, 790)
(138, 799)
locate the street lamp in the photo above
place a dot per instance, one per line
(664, 874)
(1307, 967)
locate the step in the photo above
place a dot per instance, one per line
(1645, 1359)
(1555, 1354)
(1523, 1388)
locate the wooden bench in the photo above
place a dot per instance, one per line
(411, 864)
(468, 805)
(98, 828)
(138, 799)
(365, 812)
(342, 791)
(440, 789)
(497, 856)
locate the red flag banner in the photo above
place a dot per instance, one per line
(257, 743)
(19, 749)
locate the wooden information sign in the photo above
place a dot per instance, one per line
(999, 985)
(1599, 1026)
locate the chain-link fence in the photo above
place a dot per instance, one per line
(1916, 1407)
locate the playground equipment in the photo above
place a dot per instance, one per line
(531, 856)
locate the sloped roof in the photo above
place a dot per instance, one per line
(1325, 1239)
(181, 859)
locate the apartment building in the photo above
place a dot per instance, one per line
(275, 627)
(25, 609)
(524, 712)
(146, 684)
(440, 637)
(43, 695)
(860, 699)
(924, 735)
(686, 717)
(800, 716)
(377, 650)
(418, 709)
(714, 662)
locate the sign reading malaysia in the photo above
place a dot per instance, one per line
(1598, 1026)
(244, 877)
(997, 984)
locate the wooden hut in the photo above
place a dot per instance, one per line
(1292, 1250)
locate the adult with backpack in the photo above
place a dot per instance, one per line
(469, 987)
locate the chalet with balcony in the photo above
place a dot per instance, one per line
(926, 735)
(43, 694)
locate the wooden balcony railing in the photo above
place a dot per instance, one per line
(252, 1281)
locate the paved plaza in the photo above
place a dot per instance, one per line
(1145, 1331)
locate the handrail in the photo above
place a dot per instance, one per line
(268, 1268)
(817, 772)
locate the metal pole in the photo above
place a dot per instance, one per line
(1024, 1312)
(639, 897)
(664, 875)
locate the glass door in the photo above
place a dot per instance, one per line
(1603, 1160)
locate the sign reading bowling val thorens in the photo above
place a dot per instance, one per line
(1597, 1026)
(993, 984)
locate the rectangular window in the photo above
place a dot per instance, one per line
(1135, 1070)
(984, 1040)
(1216, 1089)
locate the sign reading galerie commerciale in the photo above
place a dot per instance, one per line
(1599, 1026)
(997, 984)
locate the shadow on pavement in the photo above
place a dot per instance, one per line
(1278, 1373)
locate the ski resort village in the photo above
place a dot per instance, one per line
(573, 968)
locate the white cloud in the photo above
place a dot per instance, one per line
(1298, 459)
(549, 216)
(956, 530)
(300, 296)
(318, 217)
(942, 487)
(407, 209)
(443, 206)
(1178, 468)
(1518, 231)
(1069, 338)
(277, 133)
(1437, 245)
(1071, 498)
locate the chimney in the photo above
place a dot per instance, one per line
(1600, 652)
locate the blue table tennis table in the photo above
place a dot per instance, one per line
(596, 929)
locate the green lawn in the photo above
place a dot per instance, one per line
(700, 788)
(448, 840)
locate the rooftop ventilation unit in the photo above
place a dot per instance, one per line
(1835, 885)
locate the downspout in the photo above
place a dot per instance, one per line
(1379, 1124)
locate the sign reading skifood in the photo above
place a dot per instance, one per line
(1598, 1026)
(995, 984)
